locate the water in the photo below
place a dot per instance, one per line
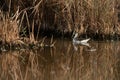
(65, 61)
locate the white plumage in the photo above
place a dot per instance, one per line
(76, 41)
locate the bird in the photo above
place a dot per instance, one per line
(76, 41)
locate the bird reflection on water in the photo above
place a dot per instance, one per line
(76, 42)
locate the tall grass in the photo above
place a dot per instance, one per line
(65, 16)
(9, 28)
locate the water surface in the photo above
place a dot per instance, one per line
(65, 61)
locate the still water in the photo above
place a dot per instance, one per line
(65, 61)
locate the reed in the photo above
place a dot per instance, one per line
(9, 28)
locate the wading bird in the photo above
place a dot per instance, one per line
(76, 41)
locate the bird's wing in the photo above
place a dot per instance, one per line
(85, 41)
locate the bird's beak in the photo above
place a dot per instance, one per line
(73, 34)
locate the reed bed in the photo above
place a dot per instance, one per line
(24, 18)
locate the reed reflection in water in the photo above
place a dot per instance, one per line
(63, 62)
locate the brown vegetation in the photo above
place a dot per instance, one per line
(92, 18)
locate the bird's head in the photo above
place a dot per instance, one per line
(75, 35)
